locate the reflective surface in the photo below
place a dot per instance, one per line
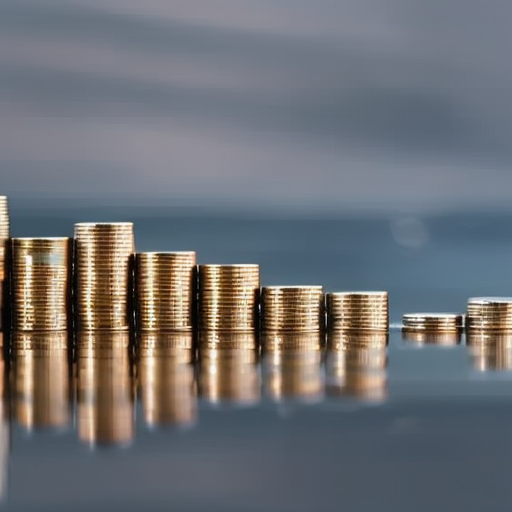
(422, 423)
(244, 430)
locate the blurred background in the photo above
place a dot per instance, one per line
(330, 105)
(351, 143)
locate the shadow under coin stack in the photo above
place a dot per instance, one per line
(4, 237)
(165, 288)
(228, 303)
(432, 328)
(41, 284)
(104, 275)
(356, 365)
(293, 310)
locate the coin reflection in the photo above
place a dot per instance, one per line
(229, 375)
(356, 366)
(41, 379)
(445, 339)
(4, 426)
(490, 351)
(105, 400)
(291, 366)
(166, 379)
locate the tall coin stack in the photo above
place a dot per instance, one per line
(4, 236)
(292, 309)
(41, 284)
(434, 328)
(104, 275)
(228, 297)
(489, 313)
(358, 311)
(165, 288)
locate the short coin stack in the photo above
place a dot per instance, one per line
(434, 328)
(104, 275)
(438, 322)
(292, 340)
(292, 309)
(358, 311)
(228, 297)
(41, 284)
(489, 313)
(165, 288)
(4, 236)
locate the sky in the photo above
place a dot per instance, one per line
(338, 104)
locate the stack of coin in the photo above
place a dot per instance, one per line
(229, 375)
(41, 284)
(167, 384)
(271, 341)
(357, 369)
(292, 309)
(165, 288)
(104, 388)
(228, 297)
(4, 236)
(489, 313)
(104, 275)
(340, 340)
(490, 350)
(41, 379)
(180, 342)
(293, 374)
(228, 340)
(358, 311)
(433, 322)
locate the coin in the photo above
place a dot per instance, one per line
(104, 275)
(4, 270)
(228, 297)
(489, 313)
(292, 309)
(358, 311)
(433, 322)
(41, 284)
(227, 340)
(165, 291)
